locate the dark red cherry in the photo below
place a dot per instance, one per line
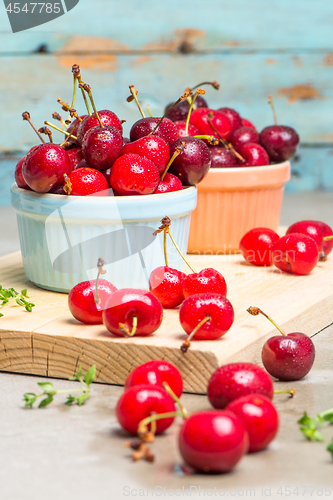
(102, 146)
(233, 116)
(222, 157)
(167, 129)
(19, 176)
(180, 111)
(166, 284)
(156, 372)
(242, 136)
(133, 174)
(76, 158)
(280, 142)
(82, 300)
(193, 163)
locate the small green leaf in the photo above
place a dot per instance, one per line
(24, 293)
(70, 400)
(305, 419)
(48, 387)
(28, 308)
(46, 401)
(19, 302)
(1, 315)
(330, 447)
(81, 399)
(90, 375)
(77, 374)
(328, 417)
(29, 398)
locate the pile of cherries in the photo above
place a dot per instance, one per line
(243, 420)
(298, 252)
(161, 155)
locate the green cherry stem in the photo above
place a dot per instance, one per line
(60, 130)
(87, 89)
(185, 346)
(270, 101)
(199, 91)
(143, 425)
(79, 79)
(178, 150)
(254, 311)
(125, 330)
(328, 238)
(291, 392)
(132, 97)
(168, 389)
(186, 94)
(213, 84)
(165, 248)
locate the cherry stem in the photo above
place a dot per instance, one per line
(255, 311)
(46, 131)
(165, 248)
(328, 238)
(132, 97)
(270, 101)
(100, 264)
(224, 142)
(178, 150)
(125, 330)
(214, 84)
(57, 116)
(210, 138)
(185, 346)
(76, 72)
(26, 116)
(142, 427)
(178, 249)
(176, 399)
(87, 88)
(186, 94)
(322, 257)
(60, 130)
(291, 392)
(76, 68)
(149, 111)
(199, 91)
(67, 185)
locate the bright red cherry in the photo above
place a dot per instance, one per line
(139, 402)
(254, 155)
(207, 280)
(131, 311)
(213, 441)
(108, 119)
(222, 157)
(167, 129)
(156, 372)
(242, 136)
(87, 181)
(234, 380)
(295, 253)
(199, 118)
(193, 163)
(82, 300)
(166, 284)
(260, 418)
(152, 147)
(212, 310)
(256, 246)
(133, 174)
(233, 116)
(316, 230)
(102, 146)
(19, 176)
(45, 166)
(181, 125)
(169, 184)
(247, 123)
(286, 356)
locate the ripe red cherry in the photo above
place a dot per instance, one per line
(193, 163)
(166, 284)
(19, 176)
(82, 304)
(234, 380)
(286, 356)
(180, 111)
(222, 157)
(167, 129)
(212, 307)
(207, 280)
(108, 119)
(169, 184)
(76, 158)
(102, 146)
(256, 246)
(316, 230)
(260, 418)
(280, 142)
(181, 125)
(87, 181)
(131, 311)
(254, 155)
(152, 147)
(213, 441)
(242, 136)
(133, 174)
(295, 253)
(156, 372)
(247, 123)
(233, 116)
(199, 118)
(45, 166)
(139, 402)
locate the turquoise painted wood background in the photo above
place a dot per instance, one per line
(253, 49)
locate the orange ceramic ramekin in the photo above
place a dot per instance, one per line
(231, 201)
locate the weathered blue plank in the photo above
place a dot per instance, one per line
(166, 25)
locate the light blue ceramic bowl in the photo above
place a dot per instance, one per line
(62, 237)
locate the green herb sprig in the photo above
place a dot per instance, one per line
(9, 294)
(49, 390)
(310, 426)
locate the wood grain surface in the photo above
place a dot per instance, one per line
(50, 342)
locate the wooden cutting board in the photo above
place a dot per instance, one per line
(50, 342)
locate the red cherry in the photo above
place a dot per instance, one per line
(295, 253)
(133, 174)
(242, 136)
(166, 284)
(181, 125)
(137, 312)
(247, 123)
(76, 158)
(254, 155)
(152, 147)
(207, 280)
(213, 441)
(180, 110)
(260, 418)
(316, 230)
(155, 373)
(256, 246)
(233, 116)
(193, 164)
(102, 146)
(81, 300)
(19, 176)
(234, 380)
(86, 181)
(45, 167)
(139, 402)
(167, 129)
(199, 118)
(222, 157)
(169, 184)
(73, 129)
(108, 119)
(280, 142)
(213, 306)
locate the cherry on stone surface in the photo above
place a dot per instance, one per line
(169, 184)
(166, 284)
(193, 164)
(257, 244)
(131, 311)
(82, 300)
(180, 110)
(254, 155)
(222, 157)
(156, 372)
(213, 441)
(87, 181)
(242, 136)
(206, 280)
(316, 230)
(233, 116)
(200, 119)
(166, 129)
(295, 253)
(132, 174)
(234, 380)
(139, 402)
(260, 418)
(102, 146)
(108, 119)
(152, 147)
